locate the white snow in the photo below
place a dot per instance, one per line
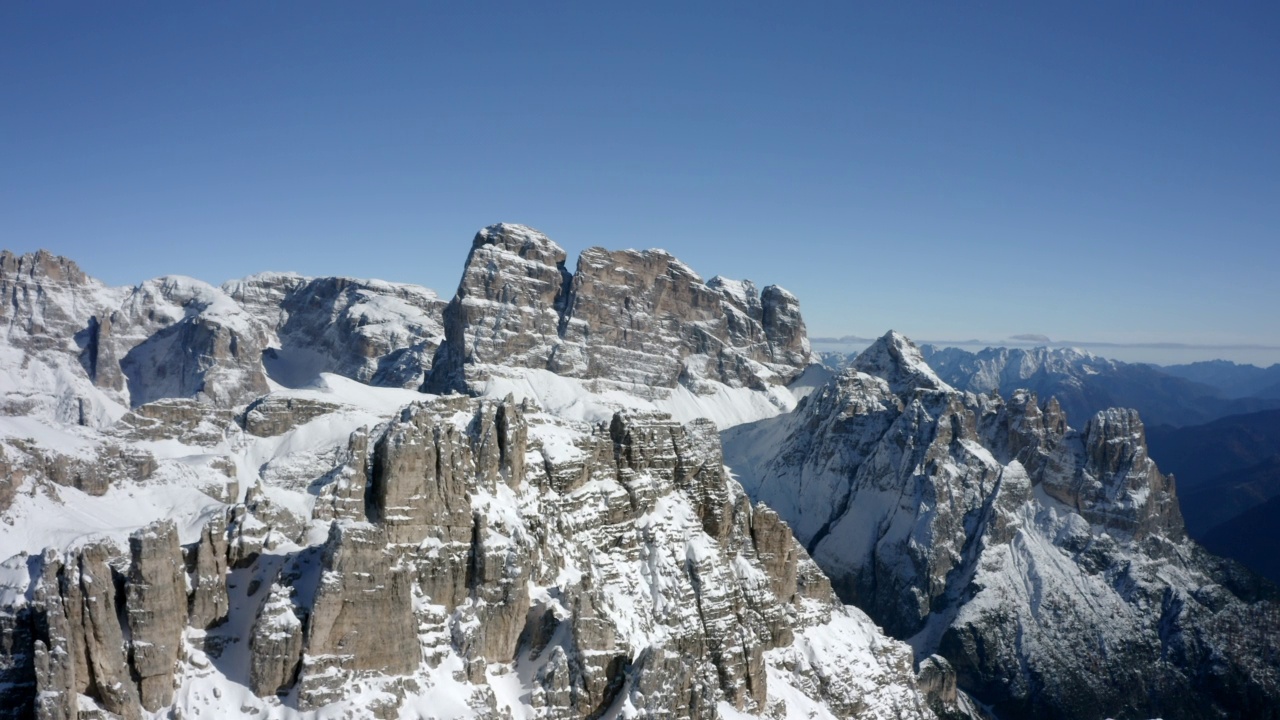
(597, 401)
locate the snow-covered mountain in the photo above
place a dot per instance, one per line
(235, 502)
(1085, 383)
(300, 497)
(1049, 566)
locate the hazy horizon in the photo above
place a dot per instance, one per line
(1161, 356)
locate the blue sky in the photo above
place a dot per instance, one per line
(1102, 171)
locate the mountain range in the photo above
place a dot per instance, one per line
(619, 490)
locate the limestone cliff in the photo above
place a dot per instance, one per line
(633, 317)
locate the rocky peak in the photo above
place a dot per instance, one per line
(40, 266)
(599, 569)
(508, 305)
(896, 359)
(636, 317)
(1125, 485)
(522, 241)
(1104, 472)
(180, 337)
(783, 326)
(44, 296)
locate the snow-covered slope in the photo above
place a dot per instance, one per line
(1049, 566)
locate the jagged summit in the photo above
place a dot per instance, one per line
(40, 264)
(899, 362)
(521, 240)
(622, 316)
(448, 557)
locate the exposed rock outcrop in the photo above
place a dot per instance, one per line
(275, 646)
(209, 603)
(156, 603)
(107, 666)
(363, 614)
(271, 415)
(626, 316)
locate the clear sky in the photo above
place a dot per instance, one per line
(1102, 171)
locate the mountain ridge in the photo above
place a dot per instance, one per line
(565, 536)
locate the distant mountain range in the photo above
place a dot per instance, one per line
(1085, 383)
(1231, 379)
(1229, 483)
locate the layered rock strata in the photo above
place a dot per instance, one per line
(634, 317)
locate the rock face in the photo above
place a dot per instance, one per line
(363, 615)
(626, 316)
(350, 547)
(179, 337)
(373, 331)
(209, 602)
(109, 639)
(48, 312)
(1049, 567)
(156, 603)
(96, 348)
(275, 647)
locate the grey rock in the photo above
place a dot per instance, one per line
(373, 331)
(363, 613)
(107, 463)
(11, 476)
(200, 344)
(183, 419)
(156, 603)
(422, 477)
(108, 667)
(275, 647)
(274, 415)
(500, 590)
(209, 603)
(59, 653)
(633, 317)
(342, 496)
